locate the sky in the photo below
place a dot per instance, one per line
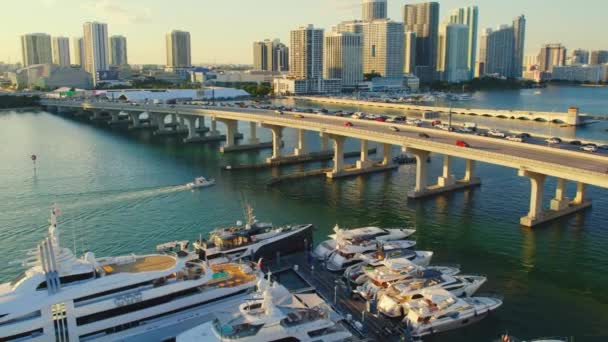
(222, 31)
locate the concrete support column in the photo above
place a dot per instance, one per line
(324, 142)
(387, 154)
(364, 161)
(253, 133)
(200, 121)
(160, 121)
(469, 172)
(231, 131)
(421, 170)
(560, 201)
(277, 142)
(192, 133)
(114, 116)
(446, 178)
(301, 148)
(537, 184)
(135, 119)
(580, 193)
(338, 153)
(214, 130)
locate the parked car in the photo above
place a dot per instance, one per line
(589, 148)
(553, 140)
(515, 138)
(462, 143)
(348, 124)
(394, 129)
(576, 142)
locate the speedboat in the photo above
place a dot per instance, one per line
(253, 240)
(273, 314)
(392, 300)
(358, 235)
(200, 182)
(438, 310)
(344, 258)
(64, 297)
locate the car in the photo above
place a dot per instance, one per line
(465, 130)
(470, 125)
(576, 142)
(414, 122)
(381, 119)
(423, 135)
(435, 123)
(348, 124)
(299, 116)
(603, 147)
(496, 133)
(515, 138)
(462, 143)
(553, 140)
(589, 148)
(525, 135)
(482, 134)
(280, 112)
(394, 129)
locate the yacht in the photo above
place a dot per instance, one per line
(273, 314)
(200, 182)
(68, 298)
(392, 300)
(357, 236)
(347, 255)
(438, 310)
(253, 240)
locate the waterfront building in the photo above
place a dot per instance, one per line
(409, 52)
(468, 16)
(519, 37)
(118, 51)
(500, 52)
(78, 44)
(598, 57)
(286, 85)
(281, 55)
(306, 57)
(453, 53)
(373, 10)
(36, 49)
(52, 76)
(61, 51)
(354, 26)
(578, 56)
(530, 61)
(383, 48)
(342, 58)
(95, 48)
(483, 52)
(178, 49)
(581, 73)
(551, 55)
(270, 55)
(423, 19)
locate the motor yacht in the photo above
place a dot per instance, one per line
(63, 297)
(200, 182)
(437, 310)
(343, 258)
(358, 236)
(252, 240)
(273, 314)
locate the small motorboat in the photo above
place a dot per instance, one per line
(201, 182)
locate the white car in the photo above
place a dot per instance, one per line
(553, 140)
(589, 148)
(414, 122)
(465, 130)
(496, 133)
(515, 138)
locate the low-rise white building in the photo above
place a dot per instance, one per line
(289, 86)
(168, 95)
(581, 73)
(52, 76)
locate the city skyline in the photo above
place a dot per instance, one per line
(145, 27)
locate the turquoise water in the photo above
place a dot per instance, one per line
(121, 192)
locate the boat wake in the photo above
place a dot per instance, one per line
(134, 196)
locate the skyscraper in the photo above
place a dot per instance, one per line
(551, 55)
(409, 52)
(269, 55)
(118, 51)
(598, 57)
(282, 57)
(373, 10)
(519, 37)
(500, 52)
(468, 16)
(354, 26)
(306, 53)
(259, 56)
(423, 19)
(453, 53)
(342, 58)
(178, 49)
(61, 51)
(95, 48)
(483, 52)
(383, 48)
(36, 49)
(578, 56)
(78, 51)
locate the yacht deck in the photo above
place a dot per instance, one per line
(229, 275)
(143, 264)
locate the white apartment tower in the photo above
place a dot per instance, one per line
(306, 53)
(36, 49)
(118, 51)
(383, 48)
(453, 53)
(468, 16)
(178, 49)
(373, 10)
(95, 48)
(78, 45)
(61, 51)
(342, 58)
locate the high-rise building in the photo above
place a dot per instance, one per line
(282, 57)
(530, 61)
(95, 48)
(36, 49)
(383, 48)
(519, 37)
(259, 56)
(551, 55)
(61, 51)
(483, 52)
(78, 51)
(409, 53)
(118, 51)
(354, 26)
(306, 53)
(342, 58)
(453, 53)
(373, 10)
(267, 55)
(578, 56)
(178, 49)
(598, 57)
(468, 16)
(423, 19)
(500, 52)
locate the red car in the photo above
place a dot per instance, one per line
(435, 122)
(381, 119)
(462, 143)
(348, 124)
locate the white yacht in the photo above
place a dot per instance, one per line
(273, 314)
(392, 300)
(253, 240)
(63, 297)
(438, 310)
(358, 235)
(200, 182)
(345, 257)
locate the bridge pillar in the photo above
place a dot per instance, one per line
(338, 156)
(134, 116)
(364, 161)
(200, 125)
(277, 142)
(560, 201)
(537, 183)
(446, 179)
(214, 130)
(253, 133)
(231, 131)
(192, 132)
(324, 142)
(580, 193)
(387, 150)
(469, 171)
(421, 172)
(301, 149)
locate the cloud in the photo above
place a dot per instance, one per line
(116, 10)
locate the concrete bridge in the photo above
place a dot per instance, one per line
(532, 161)
(571, 117)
